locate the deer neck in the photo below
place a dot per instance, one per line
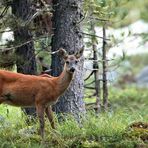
(64, 80)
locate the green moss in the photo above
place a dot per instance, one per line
(137, 130)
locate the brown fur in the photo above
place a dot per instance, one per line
(46, 75)
(39, 91)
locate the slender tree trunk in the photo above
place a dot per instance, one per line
(67, 14)
(105, 88)
(25, 54)
(96, 71)
(97, 81)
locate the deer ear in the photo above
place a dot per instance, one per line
(79, 53)
(63, 53)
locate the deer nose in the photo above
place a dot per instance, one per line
(72, 69)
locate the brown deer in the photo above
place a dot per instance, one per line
(40, 91)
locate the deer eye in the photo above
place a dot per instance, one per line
(67, 62)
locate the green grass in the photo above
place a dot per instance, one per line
(104, 131)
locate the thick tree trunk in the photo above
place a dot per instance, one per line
(66, 26)
(25, 54)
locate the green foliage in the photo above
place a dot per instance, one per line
(109, 10)
(131, 99)
(138, 62)
(118, 13)
(107, 130)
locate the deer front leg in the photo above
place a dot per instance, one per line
(49, 114)
(40, 113)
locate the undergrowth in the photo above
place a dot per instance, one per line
(110, 129)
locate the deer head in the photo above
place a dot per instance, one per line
(71, 61)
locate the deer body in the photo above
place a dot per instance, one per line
(23, 90)
(39, 91)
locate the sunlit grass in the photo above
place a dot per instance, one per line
(103, 130)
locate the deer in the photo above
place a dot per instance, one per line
(42, 91)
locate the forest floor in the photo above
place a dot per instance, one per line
(125, 125)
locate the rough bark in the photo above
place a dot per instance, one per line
(66, 17)
(25, 55)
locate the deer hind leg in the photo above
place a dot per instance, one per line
(40, 113)
(49, 114)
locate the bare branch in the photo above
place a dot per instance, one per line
(4, 12)
(39, 12)
(22, 44)
(89, 87)
(89, 75)
(99, 19)
(7, 49)
(91, 69)
(90, 83)
(94, 35)
(99, 60)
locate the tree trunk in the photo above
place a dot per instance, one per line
(104, 63)
(96, 67)
(25, 55)
(67, 14)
